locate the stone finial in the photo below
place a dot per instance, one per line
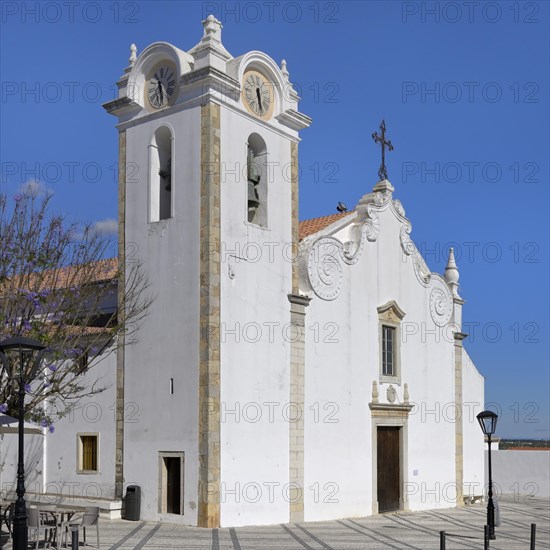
(209, 52)
(284, 70)
(406, 393)
(133, 55)
(374, 391)
(212, 28)
(451, 274)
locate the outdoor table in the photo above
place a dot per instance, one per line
(58, 516)
(57, 513)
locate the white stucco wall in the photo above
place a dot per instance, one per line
(167, 346)
(341, 367)
(255, 350)
(523, 474)
(34, 461)
(473, 443)
(93, 415)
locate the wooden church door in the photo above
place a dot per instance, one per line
(388, 468)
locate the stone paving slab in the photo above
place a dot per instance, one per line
(400, 531)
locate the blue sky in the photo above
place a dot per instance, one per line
(463, 87)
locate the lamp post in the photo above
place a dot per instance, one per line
(18, 347)
(488, 422)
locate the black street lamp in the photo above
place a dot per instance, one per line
(488, 422)
(20, 346)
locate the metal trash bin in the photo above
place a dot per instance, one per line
(132, 502)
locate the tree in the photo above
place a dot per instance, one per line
(57, 286)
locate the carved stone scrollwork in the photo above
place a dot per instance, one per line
(399, 207)
(421, 271)
(420, 268)
(324, 269)
(382, 197)
(371, 227)
(321, 265)
(441, 303)
(407, 245)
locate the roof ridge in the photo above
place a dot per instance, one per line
(314, 225)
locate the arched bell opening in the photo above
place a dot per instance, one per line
(257, 181)
(160, 175)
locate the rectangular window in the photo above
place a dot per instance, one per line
(388, 350)
(88, 453)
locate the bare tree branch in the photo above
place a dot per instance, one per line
(57, 287)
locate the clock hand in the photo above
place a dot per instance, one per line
(259, 98)
(160, 90)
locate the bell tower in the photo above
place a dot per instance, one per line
(208, 203)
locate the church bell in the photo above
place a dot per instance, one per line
(253, 199)
(253, 176)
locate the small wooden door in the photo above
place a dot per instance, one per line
(388, 468)
(173, 484)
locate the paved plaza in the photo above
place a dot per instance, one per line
(403, 530)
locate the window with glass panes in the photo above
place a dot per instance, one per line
(388, 350)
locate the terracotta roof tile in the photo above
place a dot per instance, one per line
(308, 227)
(99, 271)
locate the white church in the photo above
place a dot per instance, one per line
(287, 371)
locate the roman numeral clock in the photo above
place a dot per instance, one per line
(257, 94)
(160, 86)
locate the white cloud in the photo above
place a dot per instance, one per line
(106, 227)
(35, 188)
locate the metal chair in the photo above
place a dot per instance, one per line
(8, 518)
(38, 523)
(90, 518)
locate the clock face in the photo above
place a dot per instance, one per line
(161, 85)
(257, 95)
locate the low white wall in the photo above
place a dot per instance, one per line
(34, 465)
(94, 414)
(520, 473)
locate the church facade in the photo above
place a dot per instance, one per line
(286, 371)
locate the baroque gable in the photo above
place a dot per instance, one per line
(323, 256)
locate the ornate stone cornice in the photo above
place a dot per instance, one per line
(391, 305)
(294, 120)
(390, 409)
(121, 106)
(210, 75)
